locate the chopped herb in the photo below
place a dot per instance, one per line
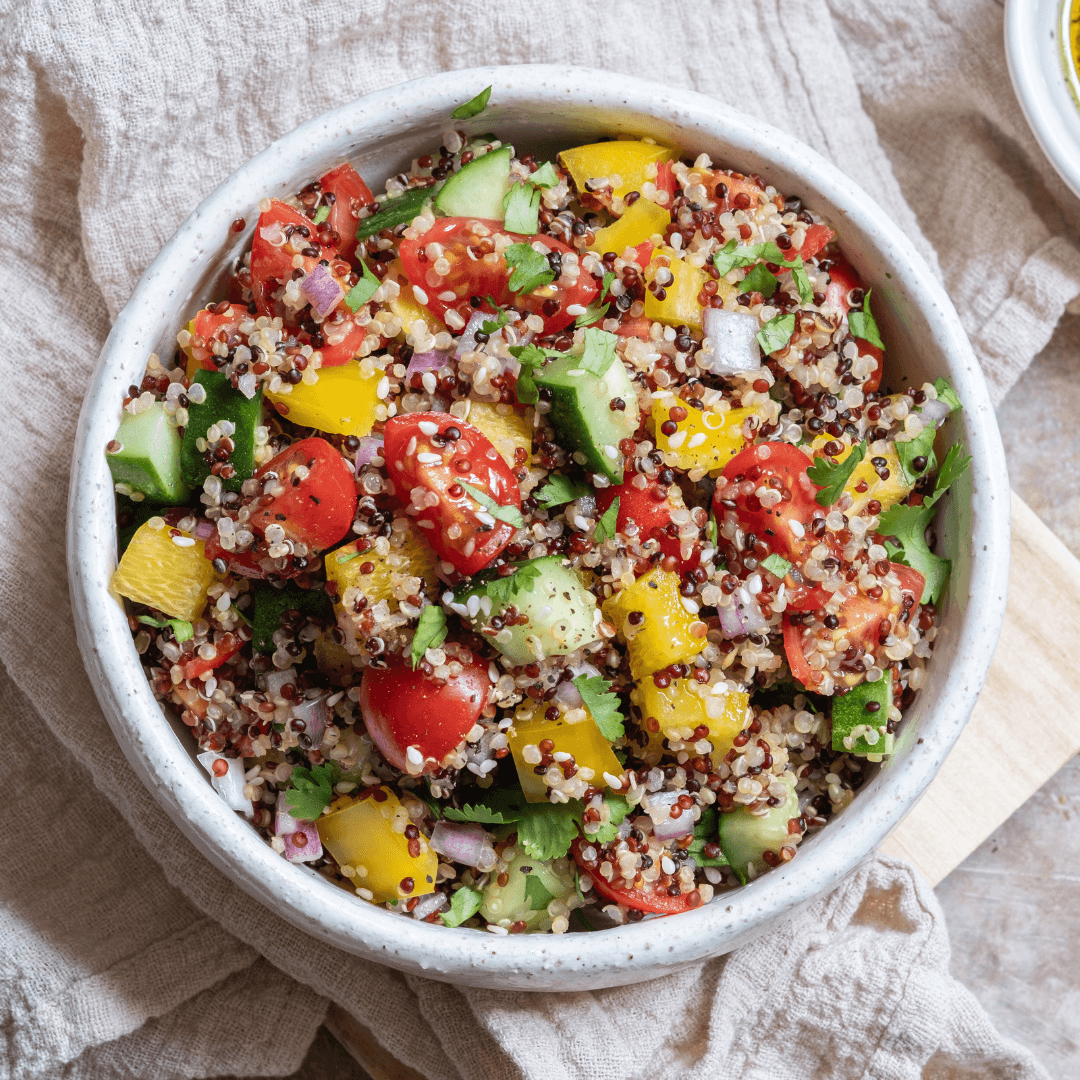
(501, 590)
(399, 210)
(831, 476)
(181, 628)
(473, 107)
(605, 527)
(605, 283)
(759, 279)
(546, 176)
(603, 704)
(921, 446)
(946, 393)
(529, 357)
(599, 352)
(536, 893)
(705, 832)
(618, 807)
(731, 256)
(321, 215)
(311, 791)
(862, 324)
(776, 565)
(363, 290)
(464, 904)
(430, 632)
(510, 514)
(521, 206)
(546, 830)
(488, 327)
(711, 531)
(529, 268)
(802, 283)
(776, 333)
(559, 489)
(592, 314)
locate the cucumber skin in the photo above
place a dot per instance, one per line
(478, 189)
(397, 211)
(271, 603)
(849, 711)
(579, 409)
(149, 458)
(579, 609)
(744, 837)
(222, 403)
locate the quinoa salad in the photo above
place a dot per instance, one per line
(532, 546)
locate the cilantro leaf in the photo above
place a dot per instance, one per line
(464, 904)
(321, 215)
(705, 832)
(862, 324)
(599, 351)
(529, 357)
(946, 393)
(430, 632)
(952, 468)
(311, 792)
(559, 489)
(502, 318)
(776, 333)
(546, 830)
(605, 283)
(536, 893)
(510, 514)
(776, 564)
(521, 209)
(593, 313)
(597, 695)
(731, 256)
(921, 446)
(802, 282)
(529, 268)
(832, 476)
(498, 807)
(618, 807)
(363, 290)
(546, 176)
(181, 628)
(605, 527)
(759, 279)
(474, 106)
(501, 590)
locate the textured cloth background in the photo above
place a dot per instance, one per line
(122, 952)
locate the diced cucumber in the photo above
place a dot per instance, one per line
(531, 885)
(582, 415)
(271, 603)
(222, 403)
(149, 456)
(562, 614)
(744, 837)
(859, 730)
(399, 210)
(478, 189)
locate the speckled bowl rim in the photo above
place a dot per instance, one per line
(576, 961)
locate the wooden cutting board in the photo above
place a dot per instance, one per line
(1040, 639)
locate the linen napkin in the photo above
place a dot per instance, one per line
(122, 951)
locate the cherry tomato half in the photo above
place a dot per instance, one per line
(658, 902)
(210, 325)
(317, 503)
(433, 458)
(842, 279)
(476, 270)
(405, 709)
(650, 508)
(350, 195)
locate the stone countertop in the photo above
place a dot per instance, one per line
(1012, 906)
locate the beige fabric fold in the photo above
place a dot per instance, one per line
(122, 951)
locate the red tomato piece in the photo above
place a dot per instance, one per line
(317, 503)
(339, 338)
(739, 192)
(227, 646)
(476, 270)
(644, 253)
(817, 236)
(407, 710)
(842, 279)
(253, 563)
(350, 195)
(211, 325)
(665, 181)
(784, 528)
(650, 509)
(638, 328)
(658, 902)
(431, 457)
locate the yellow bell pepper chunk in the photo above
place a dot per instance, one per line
(643, 220)
(680, 304)
(170, 573)
(887, 492)
(406, 308)
(703, 440)
(342, 402)
(410, 555)
(627, 161)
(362, 836)
(667, 634)
(677, 710)
(507, 428)
(583, 740)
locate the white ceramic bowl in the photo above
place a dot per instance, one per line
(1045, 79)
(545, 108)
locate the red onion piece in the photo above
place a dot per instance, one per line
(671, 828)
(371, 446)
(204, 530)
(435, 901)
(322, 290)
(425, 361)
(467, 341)
(230, 785)
(750, 613)
(734, 342)
(301, 838)
(934, 411)
(730, 623)
(316, 715)
(466, 844)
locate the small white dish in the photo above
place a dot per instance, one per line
(545, 108)
(1045, 79)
